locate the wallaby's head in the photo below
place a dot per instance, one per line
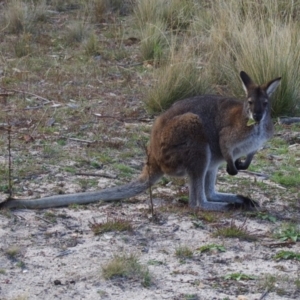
(258, 103)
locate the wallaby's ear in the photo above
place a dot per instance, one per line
(272, 85)
(246, 80)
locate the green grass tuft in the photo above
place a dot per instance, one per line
(127, 267)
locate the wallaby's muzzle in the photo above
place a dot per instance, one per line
(258, 116)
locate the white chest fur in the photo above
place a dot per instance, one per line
(252, 142)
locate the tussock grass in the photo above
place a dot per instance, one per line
(21, 16)
(177, 14)
(262, 40)
(234, 231)
(183, 252)
(112, 224)
(154, 42)
(128, 267)
(229, 36)
(182, 77)
(78, 31)
(12, 252)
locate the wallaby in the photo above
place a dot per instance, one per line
(193, 137)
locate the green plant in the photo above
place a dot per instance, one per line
(234, 231)
(125, 170)
(211, 248)
(288, 176)
(190, 297)
(263, 216)
(288, 232)
(206, 216)
(50, 216)
(112, 224)
(239, 276)
(287, 255)
(20, 264)
(154, 262)
(128, 267)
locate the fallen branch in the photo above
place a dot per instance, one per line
(288, 121)
(280, 244)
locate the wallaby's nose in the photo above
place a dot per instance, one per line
(257, 116)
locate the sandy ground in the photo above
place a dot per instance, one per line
(61, 257)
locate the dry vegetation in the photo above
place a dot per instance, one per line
(79, 82)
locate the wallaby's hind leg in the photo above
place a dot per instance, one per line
(182, 148)
(213, 196)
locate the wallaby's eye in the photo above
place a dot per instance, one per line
(265, 103)
(250, 102)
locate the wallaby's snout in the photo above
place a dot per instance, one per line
(257, 117)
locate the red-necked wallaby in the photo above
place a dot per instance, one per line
(193, 137)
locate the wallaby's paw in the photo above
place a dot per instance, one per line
(240, 165)
(231, 171)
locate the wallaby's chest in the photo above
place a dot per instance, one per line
(251, 142)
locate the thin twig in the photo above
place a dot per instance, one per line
(49, 222)
(9, 161)
(99, 175)
(81, 141)
(150, 186)
(264, 294)
(28, 93)
(120, 119)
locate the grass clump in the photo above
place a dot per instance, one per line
(234, 231)
(21, 16)
(128, 267)
(239, 276)
(180, 78)
(183, 252)
(247, 41)
(78, 31)
(283, 254)
(288, 176)
(153, 43)
(113, 224)
(288, 232)
(211, 248)
(12, 252)
(177, 14)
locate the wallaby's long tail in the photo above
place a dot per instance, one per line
(116, 193)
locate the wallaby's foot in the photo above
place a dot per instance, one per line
(247, 204)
